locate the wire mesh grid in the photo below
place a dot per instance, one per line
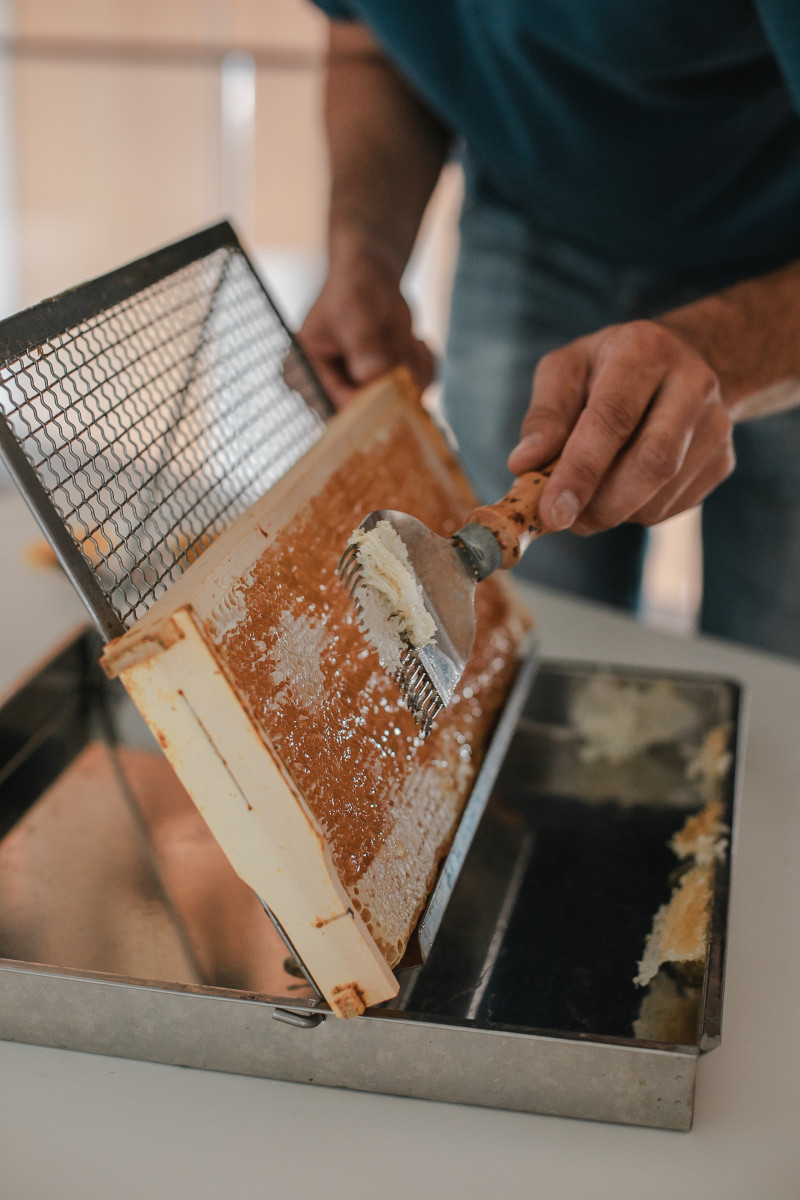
(152, 424)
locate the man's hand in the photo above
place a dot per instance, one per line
(638, 417)
(360, 325)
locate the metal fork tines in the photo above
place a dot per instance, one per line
(349, 571)
(417, 689)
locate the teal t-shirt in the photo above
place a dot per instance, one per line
(657, 133)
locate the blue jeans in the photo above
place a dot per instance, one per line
(518, 295)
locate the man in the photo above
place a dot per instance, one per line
(628, 290)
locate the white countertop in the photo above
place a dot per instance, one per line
(84, 1126)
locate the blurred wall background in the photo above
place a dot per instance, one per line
(134, 123)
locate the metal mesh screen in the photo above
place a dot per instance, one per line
(152, 424)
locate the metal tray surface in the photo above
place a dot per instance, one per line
(123, 930)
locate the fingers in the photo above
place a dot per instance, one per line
(559, 395)
(639, 422)
(683, 429)
(371, 341)
(693, 491)
(357, 330)
(628, 369)
(690, 489)
(326, 358)
(333, 375)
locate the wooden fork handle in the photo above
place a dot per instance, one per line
(514, 521)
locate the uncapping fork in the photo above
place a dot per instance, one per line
(414, 590)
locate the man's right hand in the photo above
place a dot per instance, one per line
(360, 326)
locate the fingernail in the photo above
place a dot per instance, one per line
(530, 442)
(366, 366)
(564, 510)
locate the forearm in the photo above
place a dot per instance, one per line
(386, 151)
(749, 334)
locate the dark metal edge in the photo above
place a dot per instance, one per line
(44, 723)
(710, 1032)
(49, 318)
(434, 911)
(316, 398)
